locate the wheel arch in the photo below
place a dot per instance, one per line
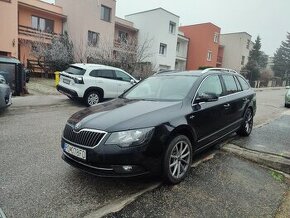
(98, 89)
(183, 130)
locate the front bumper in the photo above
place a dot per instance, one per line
(69, 92)
(113, 161)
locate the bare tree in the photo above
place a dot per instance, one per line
(129, 55)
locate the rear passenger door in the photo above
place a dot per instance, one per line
(234, 106)
(104, 79)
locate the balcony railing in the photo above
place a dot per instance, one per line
(29, 31)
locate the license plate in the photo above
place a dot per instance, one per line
(66, 81)
(77, 152)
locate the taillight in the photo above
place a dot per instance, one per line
(79, 80)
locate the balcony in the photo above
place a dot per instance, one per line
(219, 60)
(30, 33)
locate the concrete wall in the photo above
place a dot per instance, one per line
(9, 28)
(235, 46)
(153, 25)
(84, 16)
(201, 40)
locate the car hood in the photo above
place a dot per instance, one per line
(123, 114)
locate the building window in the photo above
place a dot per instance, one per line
(162, 49)
(243, 60)
(123, 37)
(93, 38)
(42, 24)
(172, 27)
(216, 37)
(248, 44)
(209, 56)
(178, 46)
(106, 13)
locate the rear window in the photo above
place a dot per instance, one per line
(75, 70)
(243, 83)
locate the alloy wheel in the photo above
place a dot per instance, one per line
(249, 122)
(93, 99)
(179, 160)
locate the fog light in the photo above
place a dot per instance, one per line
(128, 168)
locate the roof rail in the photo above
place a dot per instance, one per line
(218, 69)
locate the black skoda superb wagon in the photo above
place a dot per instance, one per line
(159, 124)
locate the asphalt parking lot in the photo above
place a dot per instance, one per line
(36, 182)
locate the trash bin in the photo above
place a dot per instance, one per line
(56, 82)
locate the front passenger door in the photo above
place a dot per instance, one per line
(123, 81)
(207, 118)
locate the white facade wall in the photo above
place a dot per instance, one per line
(153, 25)
(235, 48)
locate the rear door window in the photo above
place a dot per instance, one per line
(107, 74)
(230, 84)
(238, 84)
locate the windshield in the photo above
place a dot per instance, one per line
(163, 88)
(75, 70)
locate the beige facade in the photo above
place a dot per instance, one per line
(24, 22)
(237, 47)
(90, 24)
(8, 26)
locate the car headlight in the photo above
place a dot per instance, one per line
(130, 138)
(2, 81)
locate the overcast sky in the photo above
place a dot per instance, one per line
(268, 18)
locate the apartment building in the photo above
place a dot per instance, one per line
(203, 45)
(90, 25)
(160, 28)
(237, 47)
(27, 21)
(181, 51)
(125, 38)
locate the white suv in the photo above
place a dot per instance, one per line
(93, 82)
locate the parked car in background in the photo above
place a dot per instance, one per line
(93, 82)
(287, 97)
(5, 94)
(158, 125)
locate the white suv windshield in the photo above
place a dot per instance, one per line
(171, 88)
(75, 70)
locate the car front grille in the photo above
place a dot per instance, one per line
(84, 137)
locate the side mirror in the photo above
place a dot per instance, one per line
(132, 81)
(206, 97)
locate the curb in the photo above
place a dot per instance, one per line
(273, 161)
(270, 88)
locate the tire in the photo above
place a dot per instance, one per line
(286, 105)
(92, 98)
(177, 160)
(247, 125)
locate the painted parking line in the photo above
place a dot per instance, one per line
(2, 215)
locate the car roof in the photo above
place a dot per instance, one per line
(95, 66)
(197, 73)
(9, 60)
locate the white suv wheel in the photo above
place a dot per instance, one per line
(92, 99)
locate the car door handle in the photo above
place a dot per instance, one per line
(227, 106)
